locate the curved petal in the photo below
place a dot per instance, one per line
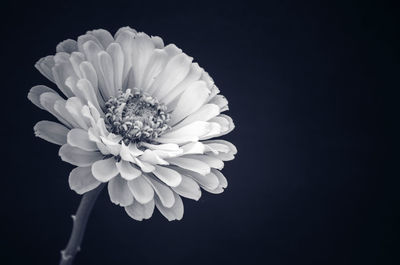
(119, 192)
(104, 170)
(44, 65)
(128, 171)
(140, 211)
(141, 190)
(167, 175)
(77, 156)
(175, 212)
(52, 132)
(174, 72)
(164, 193)
(188, 188)
(205, 113)
(191, 163)
(80, 138)
(36, 91)
(190, 101)
(81, 180)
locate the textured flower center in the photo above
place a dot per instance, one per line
(136, 116)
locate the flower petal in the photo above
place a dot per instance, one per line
(36, 91)
(191, 163)
(77, 156)
(104, 170)
(190, 101)
(44, 65)
(172, 213)
(189, 133)
(140, 211)
(193, 75)
(128, 171)
(80, 138)
(167, 175)
(81, 180)
(209, 160)
(209, 181)
(188, 188)
(52, 132)
(117, 56)
(119, 191)
(205, 113)
(174, 72)
(48, 101)
(164, 193)
(141, 190)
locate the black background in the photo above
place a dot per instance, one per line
(312, 90)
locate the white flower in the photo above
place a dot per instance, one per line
(138, 115)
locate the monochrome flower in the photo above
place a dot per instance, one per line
(137, 115)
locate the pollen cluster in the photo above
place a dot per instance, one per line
(136, 116)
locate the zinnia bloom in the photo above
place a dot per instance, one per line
(137, 115)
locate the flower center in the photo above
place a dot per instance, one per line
(136, 116)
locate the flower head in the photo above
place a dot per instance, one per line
(137, 115)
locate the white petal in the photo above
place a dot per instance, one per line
(119, 192)
(152, 157)
(74, 107)
(190, 101)
(192, 76)
(188, 188)
(117, 56)
(173, 213)
(189, 133)
(141, 190)
(107, 70)
(220, 101)
(226, 125)
(67, 46)
(144, 166)
(59, 107)
(167, 175)
(209, 160)
(164, 193)
(44, 65)
(127, 170)
(104, 170)
(36, 91)
(156, 64)
(61, 72)
(80, 138)
(125, 38)
(88, 93)
(142, 50)
(205, 113)
(140, 211)
(209, 181)
(215, 142)
(103, 36)
(174, 72)
(221, 178)
(92, 50)
(193, 148)
(77, 156)
(191, 163)
(81, 180)
(48, 100)
(158, 42)
(52, 132)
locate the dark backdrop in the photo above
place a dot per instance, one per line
(311, 90)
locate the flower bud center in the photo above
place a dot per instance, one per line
(136, 116)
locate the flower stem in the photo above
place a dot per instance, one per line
(79, 225)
